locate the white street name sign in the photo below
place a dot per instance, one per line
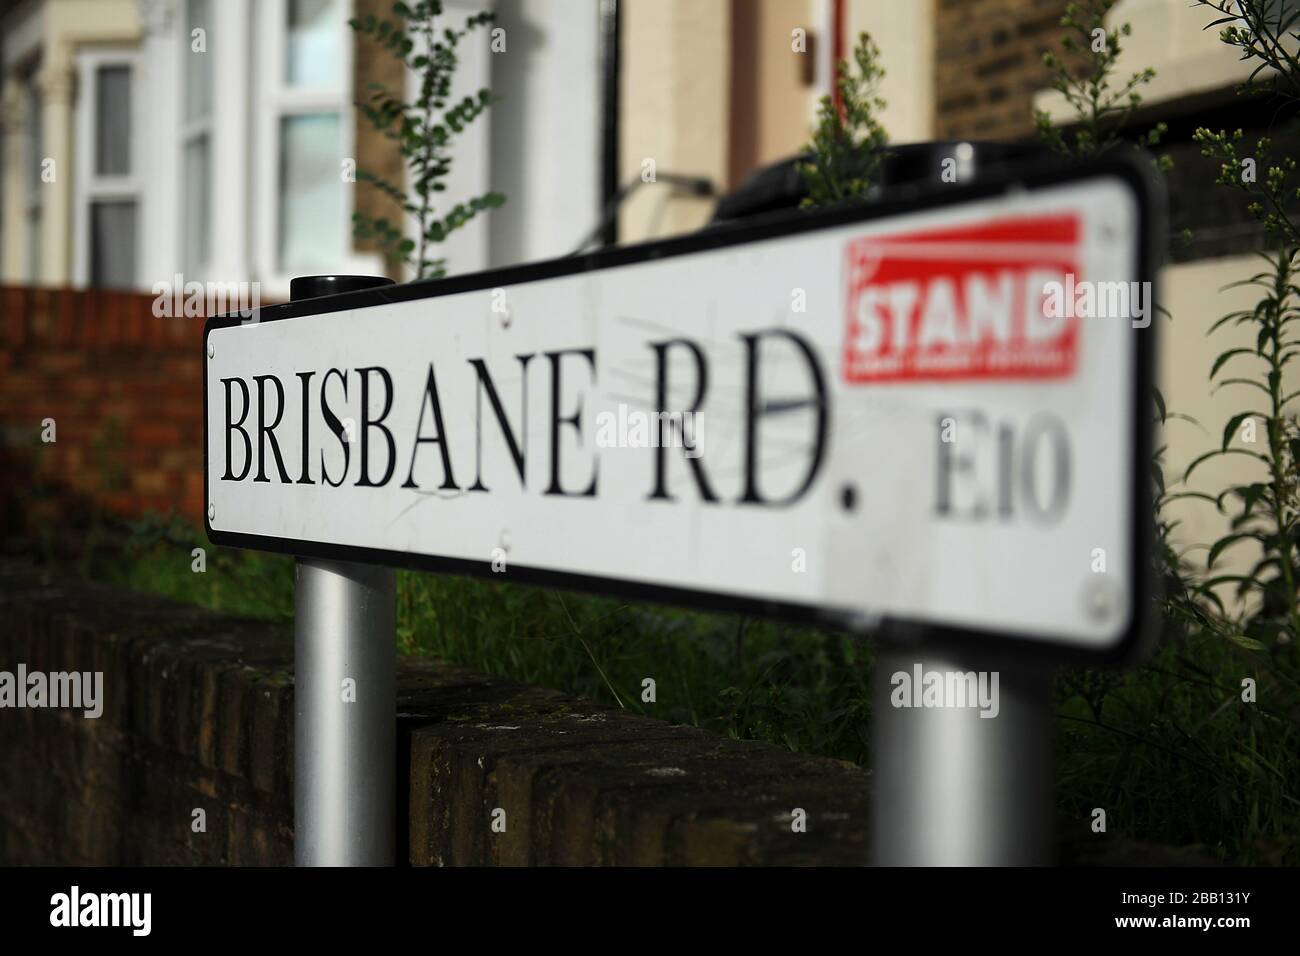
(936, 414)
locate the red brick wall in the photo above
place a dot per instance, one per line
(125, 391)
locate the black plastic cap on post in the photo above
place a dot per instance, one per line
(313, 287)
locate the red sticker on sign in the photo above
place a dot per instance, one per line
(962, 303)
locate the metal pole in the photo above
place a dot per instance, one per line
(345, 657)
(953, 788)
(345, 694)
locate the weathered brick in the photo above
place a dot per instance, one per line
(1001, 42)
(200, 715)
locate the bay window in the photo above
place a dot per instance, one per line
(303, 116)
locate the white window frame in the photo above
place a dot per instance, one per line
(33, 199)
(275, 100)
(190, 130)
(89, 186)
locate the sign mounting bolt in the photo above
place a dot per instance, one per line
(212, 350)
(1100, 599)
(212, 511)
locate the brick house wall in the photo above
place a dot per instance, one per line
(989, 64)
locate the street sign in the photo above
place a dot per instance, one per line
(933, 411)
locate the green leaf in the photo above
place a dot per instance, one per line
(1223, 543)
(1249, 643)
(1234, 423)
(1261, 340)
(1214, 454)
(1244, 381)
(1225, 356)
(1158, 477)
(1244, 581)
(1251, 494)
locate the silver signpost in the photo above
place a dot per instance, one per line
(900, 418)
(345, 695)
(345, 713)
(953, 788)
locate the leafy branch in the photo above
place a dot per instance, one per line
(1262, 512)
(1270, 196)
(1261, 29)
(1101, 110)
(847, 143)
(424, 132)
(1265, 511)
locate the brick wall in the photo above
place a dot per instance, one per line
(989, 65)
(199, 715)
(125, 392)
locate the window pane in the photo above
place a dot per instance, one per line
(312, 59)
(311, 193)
(113, 121)
(196, 203)
(112, 244)
(198, 65)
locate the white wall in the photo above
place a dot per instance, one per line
(546, 130)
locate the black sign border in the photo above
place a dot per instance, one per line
(1132, 168)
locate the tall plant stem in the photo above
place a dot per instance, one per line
(1282, 290)
(429, 147)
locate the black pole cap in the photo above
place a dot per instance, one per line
(313, 287)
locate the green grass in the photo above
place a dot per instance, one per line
(1168, 748)
(804, 689)
(1175, 756)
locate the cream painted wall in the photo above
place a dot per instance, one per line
(674, 109)
(1195, 295)
(904, 30)
(786, 106)
(1169, 36)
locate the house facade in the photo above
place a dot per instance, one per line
(218, 139)
(141, 140)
